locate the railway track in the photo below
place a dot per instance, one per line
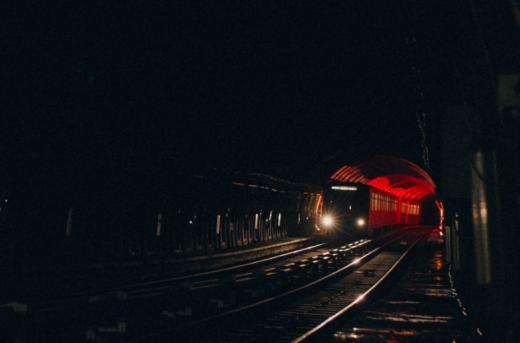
(318, 300)
(319, 304)
(197, 300)
(209, 298)
(156, 287)
(102, 309)
(380, 268)
(421, 305)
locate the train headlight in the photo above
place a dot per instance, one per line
(360, 222)
(327, 220)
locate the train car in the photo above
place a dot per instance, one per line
(353, 211)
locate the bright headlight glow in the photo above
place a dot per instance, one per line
(360, 222)
(327, 220)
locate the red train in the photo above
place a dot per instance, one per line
(350, 211)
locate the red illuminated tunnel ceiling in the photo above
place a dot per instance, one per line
(390, 174)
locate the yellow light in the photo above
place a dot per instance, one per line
(360, 222)
(327, 220)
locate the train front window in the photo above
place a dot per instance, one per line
(338, 199)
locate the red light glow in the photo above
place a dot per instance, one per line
(399, 177)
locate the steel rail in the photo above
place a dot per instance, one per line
(140, 285)
(354, 246)
(357, 262)
(326, 323)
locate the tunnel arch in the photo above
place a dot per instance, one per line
(397, 176)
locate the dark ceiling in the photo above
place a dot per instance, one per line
(287, 88)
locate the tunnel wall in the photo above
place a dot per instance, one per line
(189, 215)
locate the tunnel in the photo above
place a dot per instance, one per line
(402, 179)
